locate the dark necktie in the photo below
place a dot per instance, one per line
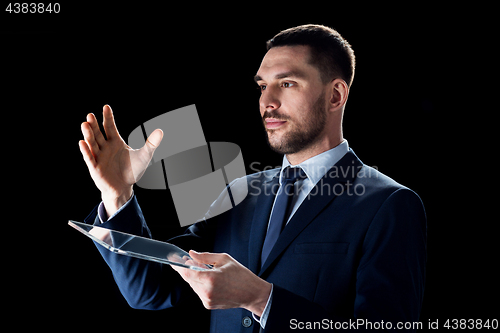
(281, 209)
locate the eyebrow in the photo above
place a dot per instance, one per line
(283, 75)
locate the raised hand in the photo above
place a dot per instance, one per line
(113, 165)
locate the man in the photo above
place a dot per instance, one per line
(346, 246)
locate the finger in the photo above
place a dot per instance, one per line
(91, 119)
(193, 263)
(89, 136)
(109, 123)
(215, 259)
(192, 277)
(87, 155)
(154, 140)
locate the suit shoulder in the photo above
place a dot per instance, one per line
(370, 176)
(392, 202)
(377, 183)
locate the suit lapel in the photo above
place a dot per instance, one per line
(335, 180)
(260, 220)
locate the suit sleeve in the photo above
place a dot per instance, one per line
(389, 279)
(144, 284)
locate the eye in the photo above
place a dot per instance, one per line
(287, 84)
(262, 87)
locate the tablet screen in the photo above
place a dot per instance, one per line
(138, 247)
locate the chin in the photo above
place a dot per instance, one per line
(274, 140)
(277, 144)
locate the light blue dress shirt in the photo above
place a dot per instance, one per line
(315, 168)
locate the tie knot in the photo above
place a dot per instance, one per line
(291, 175)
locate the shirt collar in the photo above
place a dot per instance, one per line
(317, 166)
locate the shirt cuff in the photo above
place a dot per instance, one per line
(263, 319)
(103, 216)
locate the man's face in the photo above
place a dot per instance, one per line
(292, 101)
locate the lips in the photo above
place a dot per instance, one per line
(272, 123)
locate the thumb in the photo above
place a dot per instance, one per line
(215, 259)
(154, 140)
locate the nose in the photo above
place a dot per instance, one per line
(268, 100)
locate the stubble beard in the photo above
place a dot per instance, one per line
(299, 136)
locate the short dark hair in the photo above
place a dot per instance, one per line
(330, 52)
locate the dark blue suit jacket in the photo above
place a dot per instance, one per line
(355, 249)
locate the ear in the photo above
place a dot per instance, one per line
(339, 93)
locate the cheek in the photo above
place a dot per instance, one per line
(299, 109)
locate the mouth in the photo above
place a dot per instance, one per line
(272, 123)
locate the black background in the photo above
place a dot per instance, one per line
(416, 111)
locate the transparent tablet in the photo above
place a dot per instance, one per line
(139, 247)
